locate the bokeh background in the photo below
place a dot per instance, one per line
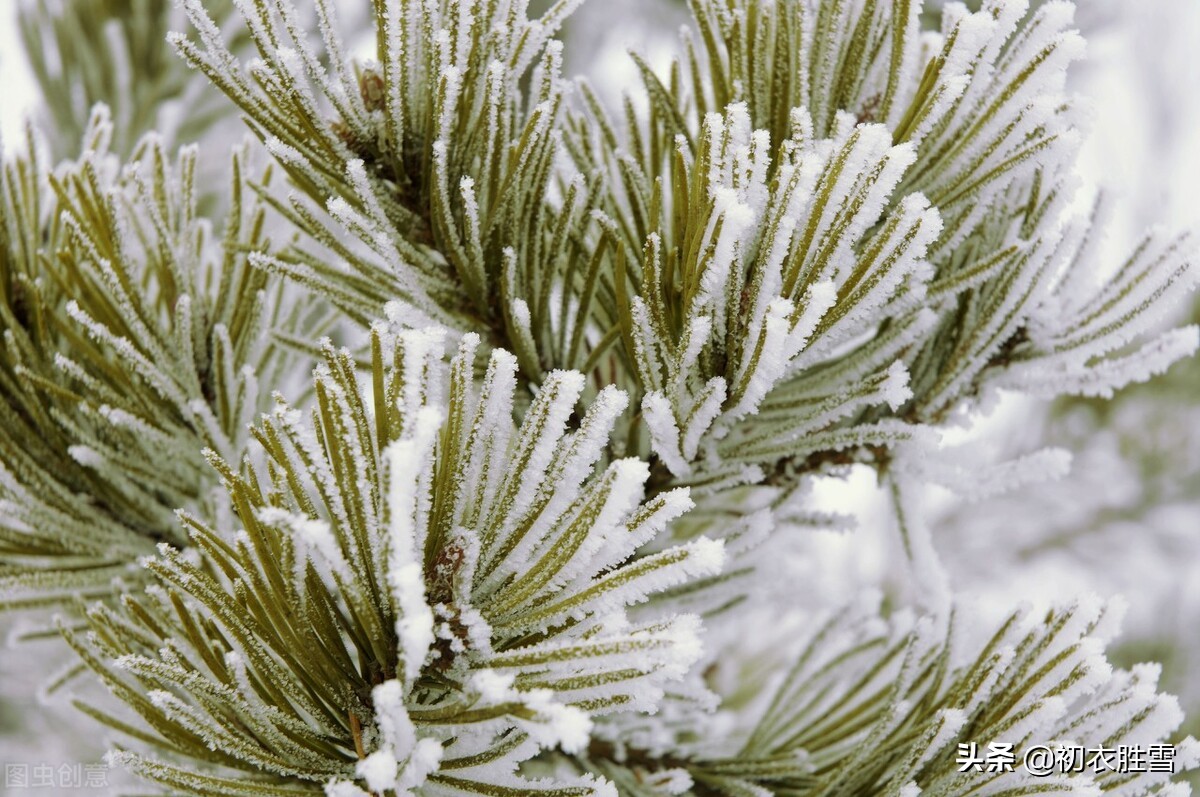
(1126, 521)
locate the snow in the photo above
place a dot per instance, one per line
(772, 362)
(406, 459)
(423, 762)
(707, 408)
(1049, 377)
(403, 761)
(660, 511)
(699, 329)
(378, 769)
(555, 402)
(524, 324)
(664, 432)
(288, 154)
(554, 724)
(343, 788)
(588, 443)
(493, 687)
(895, 389)
(391, 717)
(566, 727)
(635, 583)
(707, 556)
(735, 218)
(86, 456)
(819, 297)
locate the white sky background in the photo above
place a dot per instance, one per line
(1143, 78)
(17, 91)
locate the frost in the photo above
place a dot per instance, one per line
(86, 456)
(316, 542)
(965, 471)
(671, 781)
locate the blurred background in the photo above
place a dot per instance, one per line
(1126, 521)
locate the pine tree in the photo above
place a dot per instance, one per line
(443, 446)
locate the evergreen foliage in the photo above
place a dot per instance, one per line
(509, 537)
(133, 341)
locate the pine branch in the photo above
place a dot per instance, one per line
(456, 588)
(134, 338)
(443, 192)
(872, 707)
(812, 241)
